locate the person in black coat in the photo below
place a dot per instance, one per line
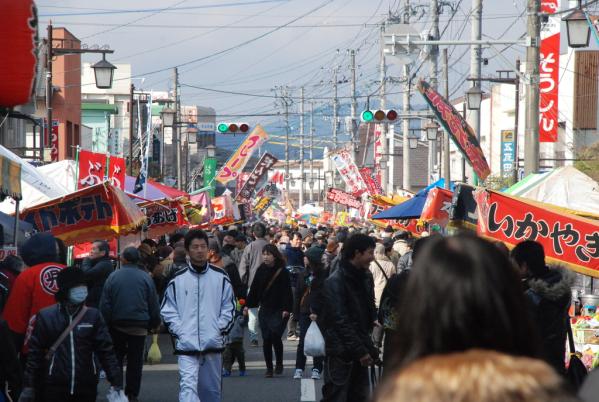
(271, 291)
(10, 369)
(70, 373)
(347, 319)
(97, 267)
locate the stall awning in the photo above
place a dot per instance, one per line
(10, 178)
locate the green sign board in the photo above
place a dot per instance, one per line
(209, 173)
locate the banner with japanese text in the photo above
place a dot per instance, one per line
(222, 210)
(116, 172)
(163, 217)
(92, 168)
(462, 134)
(260, 170)
(240, 158)
(51, 139)
(97, 212)
(372, 184)
(343, 198)
(240, 181)
(549, 71)
(349, 172)
(567, 239)
(209, 173)
(436, 207)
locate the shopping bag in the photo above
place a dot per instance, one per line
(154, 355)
(116, 396)
(314, 342)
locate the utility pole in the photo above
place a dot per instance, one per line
(434, 71)
(475, 67)
(287, 174)
(354, 106)
(131, 125)
(302, 183)
(49, 91)
(384, 126)
(335, 144)
(516, 122)
(533, 58)
(446, 155)
(312, 152)
(176, 140)
(406, 172)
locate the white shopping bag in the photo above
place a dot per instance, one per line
(314, 342)
(116, 396)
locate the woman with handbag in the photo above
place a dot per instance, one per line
(66, 338)
(271, 291)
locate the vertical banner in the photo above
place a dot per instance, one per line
(378, 152)
(372, 184)
(240, 158)
(209, 173)
(51, 139)
(92, 168)
(240, 181)
(507, 152)
(462, 134)
(116, 172)
(349, 172)
(244, 195)
(549, 72)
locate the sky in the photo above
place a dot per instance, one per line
(252, 46)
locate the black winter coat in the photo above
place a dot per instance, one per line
(276, 299)
(309, 291)
(348, 313)
(10, 369)
(549, 300)
(96, 272)
(76, 372)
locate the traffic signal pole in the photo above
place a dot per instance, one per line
(384, 126)
(533, 58)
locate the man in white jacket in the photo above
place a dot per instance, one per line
(199, 332)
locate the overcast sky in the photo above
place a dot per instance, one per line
(178, 32)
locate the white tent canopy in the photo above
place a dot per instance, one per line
(36, 187)
(566, 187)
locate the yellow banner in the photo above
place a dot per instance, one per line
(237, 162)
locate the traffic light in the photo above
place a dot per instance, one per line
(233, 128)
(379, 116)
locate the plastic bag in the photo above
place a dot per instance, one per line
(116, 396)
(314, 342)
(154, 355)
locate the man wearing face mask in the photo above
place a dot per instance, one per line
(65, 339)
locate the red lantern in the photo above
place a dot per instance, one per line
(18, 41)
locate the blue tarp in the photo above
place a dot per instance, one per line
(412, 208)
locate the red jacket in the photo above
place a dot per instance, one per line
(32, 291)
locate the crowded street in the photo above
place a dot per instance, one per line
(299, 201)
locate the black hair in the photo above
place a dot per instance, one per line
(275, 252)
(296, 234)
(259, 230)
(531, 253)
(474, 296)
(402, 235)
(195, 234)
(357, 242)
(175, 237)
(131, 255)
(103, 246)
(150, 243)
(233, 233)
(418, 244)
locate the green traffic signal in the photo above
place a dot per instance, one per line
(223, 128)
(367, 116)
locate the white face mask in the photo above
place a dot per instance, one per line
(77, 295)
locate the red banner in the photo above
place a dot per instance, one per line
(437, 205)
(222, 208)
(98, 212)
(51, 139)
(549, 72)
(164, 217)
(343, 198)
(116, 172)
(462, 134)
(372, 184)
(567, 239)
(344, 162)
(92, 167)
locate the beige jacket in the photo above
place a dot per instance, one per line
(386, 266)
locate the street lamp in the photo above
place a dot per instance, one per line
(474, 97)
(104, 73)
(432, 130)
(413, 142)
(579, 32)
(167, 115)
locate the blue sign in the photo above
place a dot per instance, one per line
(508, 154)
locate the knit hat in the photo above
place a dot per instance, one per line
(66, 279)
(314, 254)
(39, 248)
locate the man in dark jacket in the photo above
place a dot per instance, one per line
(348, 317)
(70, 373)
(295, 265)
(549, 295)
(97, 267)
(129, 305)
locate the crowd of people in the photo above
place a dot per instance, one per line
(445, 318)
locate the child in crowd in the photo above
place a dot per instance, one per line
(234, 349)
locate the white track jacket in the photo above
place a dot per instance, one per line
(198, 309)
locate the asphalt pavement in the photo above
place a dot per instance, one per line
(160, 382)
